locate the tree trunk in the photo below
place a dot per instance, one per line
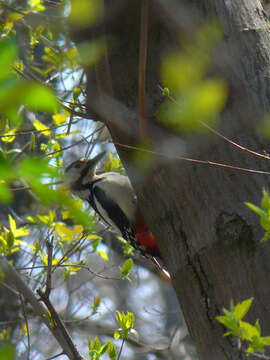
(210, 240)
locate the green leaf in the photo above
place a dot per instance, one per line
(5, 194)
(32, 168)
(85, 12)
(230, 323)
(12, 224)
(103, 255)
(242, 308)
(41, 127)
(201, 103)
(104, 348)
(8, 51)
(256, 209)
(126, 268)
(7, 352)
(40, 98)
(265, 340)
(116, 335)
(248, 331)
(97, 344)
(59, 119)
(6, 172)
(112, 351)
(265, 203)
(119, 318)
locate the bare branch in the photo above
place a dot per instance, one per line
(11, 276)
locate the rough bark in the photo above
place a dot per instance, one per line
(210, 240)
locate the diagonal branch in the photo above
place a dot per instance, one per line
(12, 277)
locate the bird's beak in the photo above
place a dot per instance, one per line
(92, 163)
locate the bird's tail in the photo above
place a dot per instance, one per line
(161, 266)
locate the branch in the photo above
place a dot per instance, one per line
(58, 324)
(11, 276)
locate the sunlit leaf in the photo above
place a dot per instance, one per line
(41, 127)
(126, 268)
(36, 5)
(242, 308)
(9, 134)
(59, 119)
(12, 224)
(103, 255)
(248, 331)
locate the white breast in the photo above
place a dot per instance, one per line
(119, 189)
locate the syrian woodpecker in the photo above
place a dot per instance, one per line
(111, 195)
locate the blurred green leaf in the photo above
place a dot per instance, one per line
(40, 98)
(6, 172)
(7, 352)
(8, 51)
(85, 12)
(112, 351)
(202, 103)
(180, 72)
(33, 168)
(5, 194)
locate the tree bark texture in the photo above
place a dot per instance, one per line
(210, 240)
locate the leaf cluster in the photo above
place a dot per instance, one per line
(126, 325)
(264, 214)
(247, 333)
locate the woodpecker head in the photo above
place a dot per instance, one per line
(82, 171)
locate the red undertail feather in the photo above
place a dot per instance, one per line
(145, 237)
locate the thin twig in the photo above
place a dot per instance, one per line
(142, 69)
(196, 161)
(27, 327)
(72, 266)
(121, 348)
(215, 132)
(33, 131)
(55, 356)
(49, 245)
(72, 145)
(23, 188)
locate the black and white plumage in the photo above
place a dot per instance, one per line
(112, 196)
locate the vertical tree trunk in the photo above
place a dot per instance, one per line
(210, 240)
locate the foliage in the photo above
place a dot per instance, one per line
(38, 117)
(42, 91)
(7, 352)
(248, 334)
(126, 268)
(195, 99)
(126, 323)
(264, 214)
